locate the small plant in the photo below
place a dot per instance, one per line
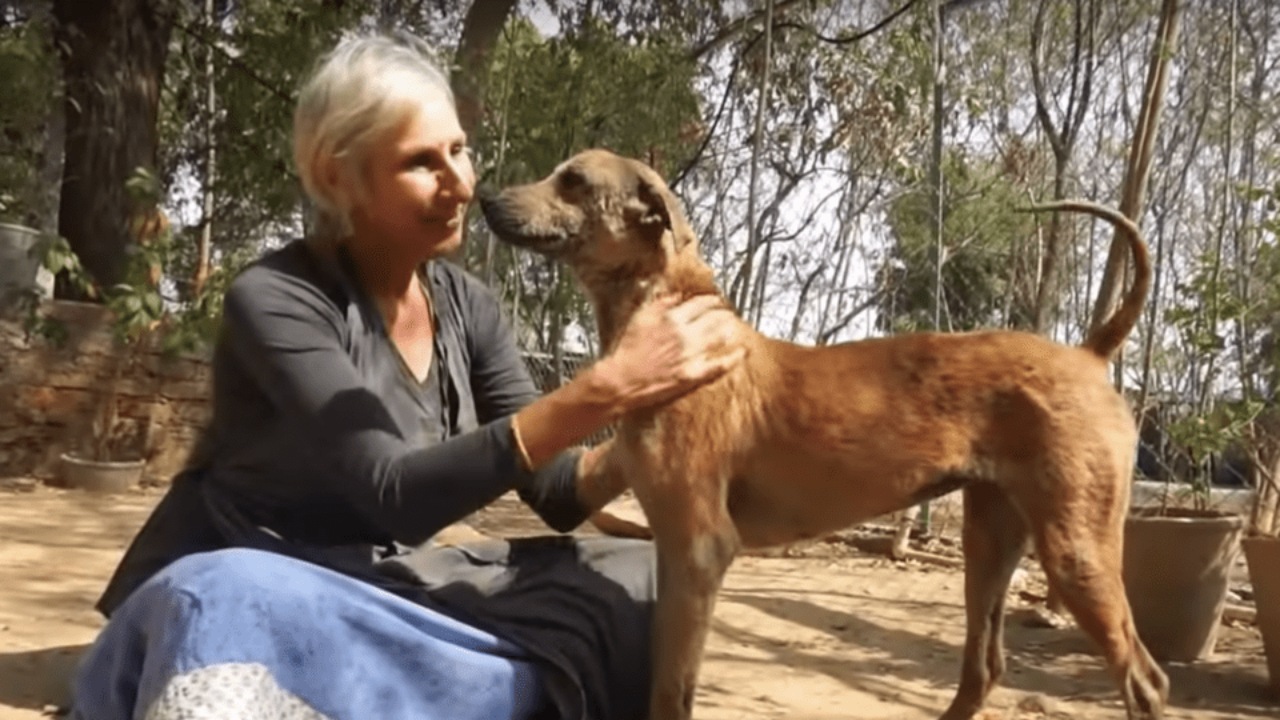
(142, 319)
(1209, 434)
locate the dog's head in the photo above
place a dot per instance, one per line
(598, 212)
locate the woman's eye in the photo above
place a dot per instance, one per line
(422, 160)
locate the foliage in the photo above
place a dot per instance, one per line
(843, 202)
(1206, 434)
(1209, 303)
(260, 52)
(29, 68)
(1261, 308)
(981, 233)
(587, 89)
(550, 97)
(141, 317)
(1208, 288)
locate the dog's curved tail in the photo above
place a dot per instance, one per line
(1110, 335)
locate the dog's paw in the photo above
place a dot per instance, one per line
(1043, 617)
(459, 533)
(622, 518)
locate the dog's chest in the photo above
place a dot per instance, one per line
(704, 436)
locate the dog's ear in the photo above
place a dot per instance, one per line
(655, 215)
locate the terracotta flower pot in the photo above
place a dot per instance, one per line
(1263, 556)
(1176, 568)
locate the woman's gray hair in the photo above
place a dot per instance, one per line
(358, 91)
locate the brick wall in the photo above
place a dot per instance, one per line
(49, 393)
(48, 396)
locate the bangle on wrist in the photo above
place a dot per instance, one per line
(522, 453)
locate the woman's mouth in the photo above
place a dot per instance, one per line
(453, 222)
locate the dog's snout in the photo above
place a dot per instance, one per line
(492, 206)
(486, 195)
(508, 214)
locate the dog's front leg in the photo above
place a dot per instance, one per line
(693, 556)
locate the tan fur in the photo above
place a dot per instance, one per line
(800, 441)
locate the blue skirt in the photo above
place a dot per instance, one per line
(243, 634)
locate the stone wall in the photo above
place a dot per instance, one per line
(49, 394)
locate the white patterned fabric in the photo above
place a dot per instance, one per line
(230, 691)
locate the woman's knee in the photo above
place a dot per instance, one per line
(243, 569)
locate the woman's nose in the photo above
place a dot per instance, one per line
(459, 179)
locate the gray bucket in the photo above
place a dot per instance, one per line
(20, 270)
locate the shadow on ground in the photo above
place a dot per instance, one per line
(1222, 685)
(41, 678)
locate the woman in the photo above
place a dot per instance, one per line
(366, 395)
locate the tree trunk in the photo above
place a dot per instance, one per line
(1139, 165)
(743, 301)
(480, 30)
(51, 167)
(1259, 83)
(1062, 140)
(113, 56)
(935, 162)
(204, 249)
(1264, 436)
(1135, 180)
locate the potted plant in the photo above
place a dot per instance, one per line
(1178, 556)
(20, 269)
(1262, 539)
(108, 454)
(28, 196)
(21, 274)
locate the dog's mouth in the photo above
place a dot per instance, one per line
(511, 227)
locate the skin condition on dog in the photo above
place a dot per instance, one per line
(800, 441)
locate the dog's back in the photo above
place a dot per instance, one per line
(879, 425)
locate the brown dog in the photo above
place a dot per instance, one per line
(1032, 430)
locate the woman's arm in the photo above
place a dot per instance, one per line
(502, 386)
(289, 338)
(668, 349)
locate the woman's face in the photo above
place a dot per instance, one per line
(419, 181)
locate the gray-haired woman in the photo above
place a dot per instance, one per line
(366, 395)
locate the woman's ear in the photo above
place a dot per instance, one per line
(340, 188)
(329, 178)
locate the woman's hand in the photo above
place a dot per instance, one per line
(670, 349)
(667, 350)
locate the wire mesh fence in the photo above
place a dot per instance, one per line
(549, 373)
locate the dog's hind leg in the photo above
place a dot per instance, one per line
(1080, 546)
(995, 538)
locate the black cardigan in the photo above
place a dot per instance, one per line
(322, 445)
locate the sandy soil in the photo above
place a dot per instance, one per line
(816, 633)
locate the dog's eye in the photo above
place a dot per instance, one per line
(572, 179)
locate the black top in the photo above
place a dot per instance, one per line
(323, 446)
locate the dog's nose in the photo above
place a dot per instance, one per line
(488, 197)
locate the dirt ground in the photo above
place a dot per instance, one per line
(817, 633)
